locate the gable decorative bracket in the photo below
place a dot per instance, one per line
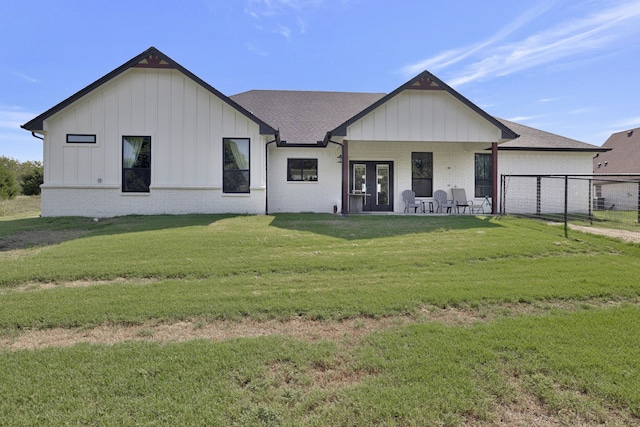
(153, 61)
(425, 83)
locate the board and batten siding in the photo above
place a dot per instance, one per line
(421, 115)
(186, 122)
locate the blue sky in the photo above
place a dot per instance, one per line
(564, 66)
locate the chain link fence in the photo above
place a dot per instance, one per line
(605, 199)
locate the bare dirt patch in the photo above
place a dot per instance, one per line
(305, 329)
(31, 239)
(36, 286)
(346, 331)
(624, 235)
(524, 409)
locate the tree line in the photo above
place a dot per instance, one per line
(19, 177)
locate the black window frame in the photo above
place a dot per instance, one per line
(422, 164)
(140, 170)
(235, 180)
(483, 175)
(298, 165)
(89, 135)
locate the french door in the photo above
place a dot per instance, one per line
(375, 181)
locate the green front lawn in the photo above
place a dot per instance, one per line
(76, 273)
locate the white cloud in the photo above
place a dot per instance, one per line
(454, 56)
(631, 122)
(12, 117)
(600, 31)
(27, 78)
(519, 119)
(584, 110)
(292, 12)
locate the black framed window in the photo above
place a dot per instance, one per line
(422, 174)
(302, 169)
(235, 154)
(74, 138)
(136, 164)
(483, 175)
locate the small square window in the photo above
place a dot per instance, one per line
(302, 169)
(73, 138)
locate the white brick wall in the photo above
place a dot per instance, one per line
(317, 196)
(521, 193)
(109, 202)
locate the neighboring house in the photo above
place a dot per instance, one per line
(151, 137)
(618, 188)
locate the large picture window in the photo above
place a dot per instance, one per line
(422, 174)
(302, 169)
(136, 164)
(483, 175)
(235, 154)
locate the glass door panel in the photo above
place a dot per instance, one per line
(375, 181)
(382, 194)
(359, 178)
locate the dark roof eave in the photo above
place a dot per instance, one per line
(37, 124)
(569, 150)
(506, 132)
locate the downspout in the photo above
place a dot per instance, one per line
(266, 171)
(36, 136)
(343, 155)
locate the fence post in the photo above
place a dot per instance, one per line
(502, 195)
(538, 195)
(566, 203)
(590, 201)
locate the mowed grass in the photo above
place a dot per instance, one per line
(561, 365)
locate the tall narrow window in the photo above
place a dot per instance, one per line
(235, 154)
(422, 174)
(136, 164)
(484, 180)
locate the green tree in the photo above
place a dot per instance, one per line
(31, 176)
(8, 186)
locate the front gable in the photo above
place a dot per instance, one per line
(424, 109)
(152, 58)
(416, 115)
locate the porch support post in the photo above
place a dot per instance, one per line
(345, 177)
(494, 178)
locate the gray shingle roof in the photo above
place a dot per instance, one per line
(539, 140)
(624, 156)
(304, 117)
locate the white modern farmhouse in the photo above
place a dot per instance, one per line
(150, 137)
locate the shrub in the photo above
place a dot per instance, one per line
(31, 178)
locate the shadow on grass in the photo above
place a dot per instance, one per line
(37, 232)
(34, 232)
(356, 227)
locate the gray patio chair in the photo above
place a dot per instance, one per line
(461, 201)
(442, 203)
(409, 199)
